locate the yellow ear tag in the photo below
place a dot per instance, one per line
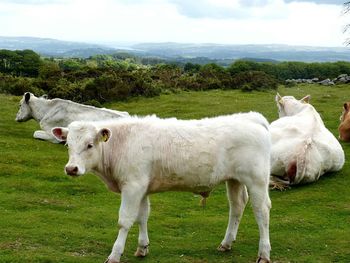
(104, 138)
(281, 102)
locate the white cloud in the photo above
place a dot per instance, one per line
(34, 2)
(328, 2)
(215, 21)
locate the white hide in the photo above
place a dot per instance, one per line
(149, 155)
(299, 137)
(59, 112)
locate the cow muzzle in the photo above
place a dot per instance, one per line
(72, 170)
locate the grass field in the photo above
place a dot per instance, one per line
(46, 216)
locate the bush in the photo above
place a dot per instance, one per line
(254, 80)
(107, 87)
(18, 85)
(67, 90)
(94, 103)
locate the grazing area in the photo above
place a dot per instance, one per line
(46, 216)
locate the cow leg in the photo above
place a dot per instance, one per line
(261, 203)
(142, 218)
(129, 208)
(43, 135)
(237, 197)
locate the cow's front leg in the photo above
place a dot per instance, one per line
(131, 196)
(142, 218)
(43, 135)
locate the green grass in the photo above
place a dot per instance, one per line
(46, 216)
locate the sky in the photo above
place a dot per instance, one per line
(293, 22)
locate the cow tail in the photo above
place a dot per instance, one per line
(302, 162)
(297, 169)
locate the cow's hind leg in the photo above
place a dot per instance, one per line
(142, 218)
(237, 197)
(259, 196)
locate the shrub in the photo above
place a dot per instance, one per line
(18, 85)
(254, 80)
(67, 90)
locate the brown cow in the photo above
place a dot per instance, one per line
(344, 127)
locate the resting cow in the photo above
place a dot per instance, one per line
(344, 127)
(140, 156)
(59, 112)
(303, 149)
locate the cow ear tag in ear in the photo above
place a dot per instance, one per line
(105, 134)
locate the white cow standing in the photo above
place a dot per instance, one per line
(59, 112)
(140, 156)
(303, 149)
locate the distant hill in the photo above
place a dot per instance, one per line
(54, 48)
(180, 52)
(253, 52)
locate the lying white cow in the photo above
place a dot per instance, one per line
(137, 157)
(303, 149)
(59, 112)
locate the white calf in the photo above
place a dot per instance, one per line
(138, 157)
(303, 149)
(58, 112)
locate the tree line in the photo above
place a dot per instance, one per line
(104, 78)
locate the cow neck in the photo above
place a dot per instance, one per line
(317, 116)
(317, 122)
(38, 107)
(105, 170)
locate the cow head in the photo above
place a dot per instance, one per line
(84, 146)
(346, 108)
(25, 113)
(288, 105)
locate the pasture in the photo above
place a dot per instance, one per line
(46, 216)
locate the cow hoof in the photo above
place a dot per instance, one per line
(224, 248)
(141, 252)
(263, 260)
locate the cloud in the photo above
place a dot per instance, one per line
(254, 2)
(200, 21)
(207, 9)
(230, 9)
(34, 2)
(328, 2)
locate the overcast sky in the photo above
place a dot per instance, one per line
(294, 22)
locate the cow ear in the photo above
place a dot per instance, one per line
(346, 107)
(306, 99)
(26, 97)
(45, 96)
(104, 134)
(60, 133)
(279, 99)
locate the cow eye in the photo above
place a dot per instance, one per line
(90, 145)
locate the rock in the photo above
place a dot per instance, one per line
(342, 76)
(326, 82)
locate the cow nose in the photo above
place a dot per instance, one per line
(72, 170)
